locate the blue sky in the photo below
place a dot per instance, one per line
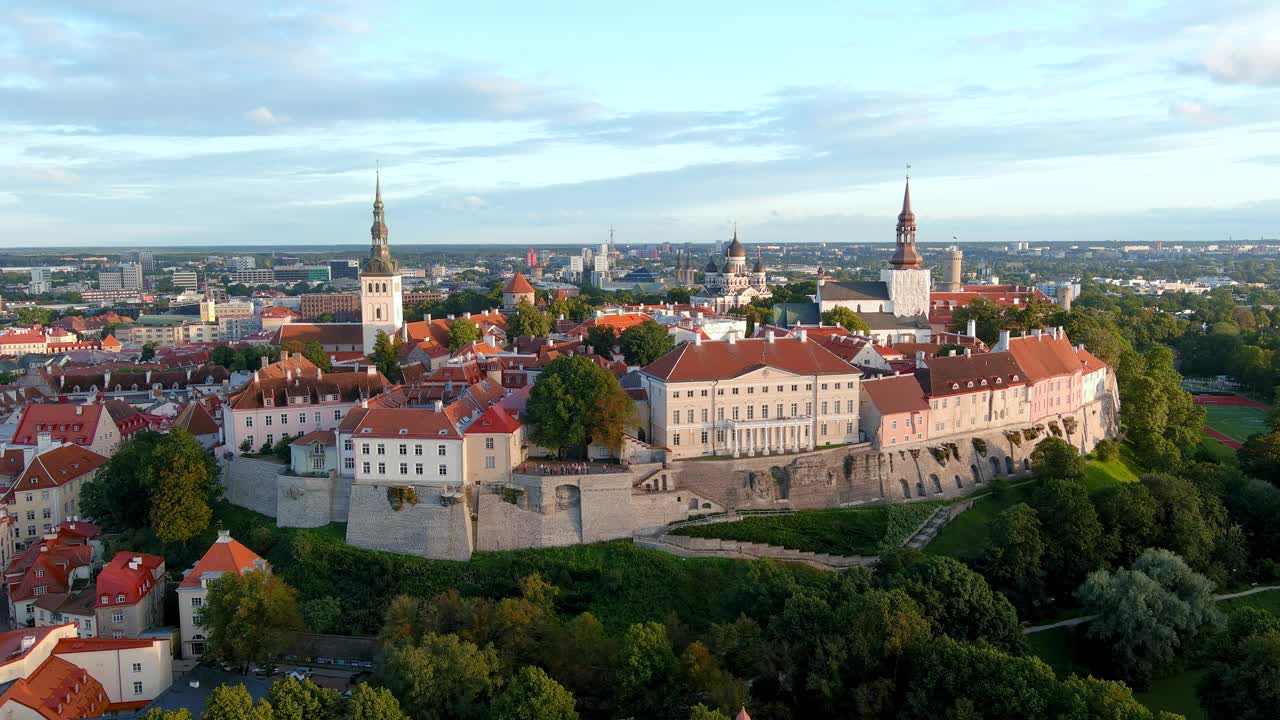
(195, 123)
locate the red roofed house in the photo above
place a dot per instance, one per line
(223, 556)
(195, 419)
(493, 444)
(516, 291)
(273, 317)
(128, 420)
(973, 393)
(269, 408)
(1052, 370)
(57, 690)
(895, 411)
(1093, 381)
(48, 490)
(747, 397)
(130, 595)
(88, 426)
(54, 565)
(133, 672)
(408, 446)
(24, 650)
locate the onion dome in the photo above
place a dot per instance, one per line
(711, 266)
(736, 250)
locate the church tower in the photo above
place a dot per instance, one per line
(906, 278)
(208, 308)
(381, 296)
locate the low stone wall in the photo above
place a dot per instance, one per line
(692, 547)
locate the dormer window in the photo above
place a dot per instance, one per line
(984, 382)
(999, 381)
(39, 572)
(1015, 378)
(105, 599)
(120, 598)
(970, 384)
(955, 386)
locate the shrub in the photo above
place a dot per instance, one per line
(901, 522)
(1106, 449)
(999, 486)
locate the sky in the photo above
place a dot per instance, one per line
(136, 123)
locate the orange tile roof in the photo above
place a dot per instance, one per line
(617, 322)
(66, 422)
(518, 284)
(895, 394)
(224, 556)
(120, 577)
(724, 360)
(405, 423)
(1044, 357)
(324, 333)
(195, 419)
(59, 690)
(50, 568)
(1089, 361)
(347, 386)
(68, 646)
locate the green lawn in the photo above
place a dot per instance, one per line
(1237, 422)
(839, 531)
(1176, 693)
(1099, 474)
(1219, 452)
(1269, 601)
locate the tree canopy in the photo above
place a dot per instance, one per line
(847, 319)
(575, 402)
(250, 617)
(461, 332)
(644, 343)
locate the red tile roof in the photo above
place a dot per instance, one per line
(724, 360)
(405, 423)
(78, 529)
(279, 312)
(348, 387)
(896, 394)
(517, 284)
(55, 468)
(617, 322)
(495, 420)
(327, 334)
(224, 556)
(324, 437)
(1044, 357)
(68, 646)
(1088, 361)
(121, 577)
(66, 422)
(47, 564)
(956, 374)
(195, 419)
(59, 690)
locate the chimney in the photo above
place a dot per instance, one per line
(44, 441)
(971, 328)
(28, 641)
(467, 315)
(438, 406)
(733, 337)
(79, 409)
(1035, 333)
(697, 339)
(768, 336)
(255, 376)
(919, 356)
(428, 318)
(968, 352)
(364, 403)
(224, 536)
(1003, 343)
(264, 362)
(804, 335)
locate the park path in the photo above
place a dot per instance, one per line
(1072, 622)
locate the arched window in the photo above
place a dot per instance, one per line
(377, 313)
(1008, 465)
(959, 483)
(919, 488)
(906, 491)
(937, 484)
(976, 477)
(858, 308)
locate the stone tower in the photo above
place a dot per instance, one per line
(381, 295)
(955, 258)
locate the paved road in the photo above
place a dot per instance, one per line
(1086, 618)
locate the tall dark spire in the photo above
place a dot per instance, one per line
(905, 255)
(379, 251)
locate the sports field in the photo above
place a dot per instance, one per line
(1235, 422)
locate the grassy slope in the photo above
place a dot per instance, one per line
(840, 531)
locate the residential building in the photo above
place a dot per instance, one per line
(224, 556)
(492, 444)
(270, 408)
(185, 280)
(743, 397)
(143, 258)
(129, 597)
(403, 446)
(131, 276)
(131, 672)
(315, 453)
(1052, 370)
(48, 490)
(252, 277)
(57, 690)
(170, 330)
(895, 411)
(89, 426)
(343, 306)
(41, 280)
(57, 565)
(973, 393)
(110, 280)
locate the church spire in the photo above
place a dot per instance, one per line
(905, 255)
(379, 250)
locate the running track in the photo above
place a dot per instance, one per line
(1226, 400)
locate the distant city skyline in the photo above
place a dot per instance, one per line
(235, 124)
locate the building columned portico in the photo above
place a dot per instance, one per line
(767, 437)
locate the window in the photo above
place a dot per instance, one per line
(824, 407)
(268, 419)
(382, 468)
(271, 439)
(719, 413)
(337, 414)
(704, 437)
(364, 448)
(404, 468)
(735, 413)
(39, 572)
(248, 422)
(444, 469)
(349, 463)
(382, 449)
(137, 687)
(440, 450)
(364, 468)
(490, 462)
(734, 391)
(137, 667)
(751, 412)
(794, 409)
(751, 391)
(404, 449)
(42, 589)
(689, 394)
(417, 469)
(120, 598)
(117, 634)
(675, 439)
(704, 414)
(795, 388)
(346, 444)
(104, 599)
(317, 417)
(703, 393)
(488, 443)
(117, 617)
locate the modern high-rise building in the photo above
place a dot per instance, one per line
(41, 280)
(301, 273)
(110, 280)
(238, 263)
(344, 269)
(185, 280)
(131, 276)
(144, 258)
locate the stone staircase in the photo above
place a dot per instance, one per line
(931, 528)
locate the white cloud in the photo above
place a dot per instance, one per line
(1196, 112)
(1247, 57)
(262, 115)
(474, 201)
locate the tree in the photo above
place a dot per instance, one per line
(461, 332)
(1056, 458)
(156, 713)
(440, 678)
(31, 315)
(385, 357)
(1070, 523)
(959, 603)
(602, 338)
(322, 614)
(989, 319)
(1128, 515)
(250, 617)
(118, 497)
(575, 402)
(578, 653)
(1012, 562)
(532, 695)
(1260, 456)
(179, 489)
(679, 295)
(371, 703)
(233, 702)
(314, 352)
(1246, 684)
(294, 700)
(148, 352)
(847, 319)
(707, 681)
(702, 712)
(644, 343)
(1145, 615)
(528, 320)
(223, 355)
(326, 317)
(645, 667)
(1188, 521)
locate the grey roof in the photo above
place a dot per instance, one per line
(182, 695)
(889, 321)
(791, 314)
(854, 290)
